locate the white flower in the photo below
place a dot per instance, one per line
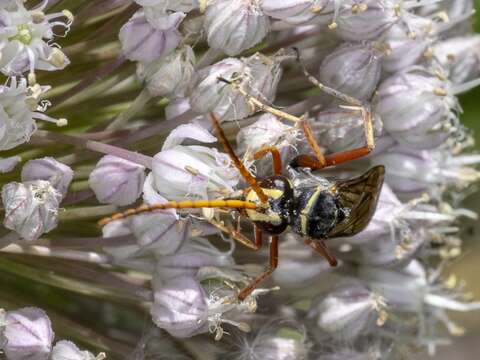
(8, 164)
(31, 208)
(67, 350)
(28, 334)
(26, 39)
(19, 108)
(117, 181)
(235, 25)
(256, 75)
(171, 76)
(191, 171)
(150, 34)
(57, 174)
(174, 5)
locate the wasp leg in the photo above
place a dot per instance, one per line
(276, 159)
(271, 268)
(320, 247)
(322, 161)
(242, 239)
(249, 178)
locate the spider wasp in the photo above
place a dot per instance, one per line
(317, 209)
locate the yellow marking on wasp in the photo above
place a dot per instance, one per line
(306, 210)
(269, 216)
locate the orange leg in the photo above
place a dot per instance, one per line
(320, 161)
(238, 164)
(273, 263)
(320, 247)
(277, 160)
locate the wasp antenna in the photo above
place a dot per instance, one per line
(186, 204)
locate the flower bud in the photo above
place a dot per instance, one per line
(407, 43)
(171, 76)
(276, 340)
(8, 164)
(235, 25)
(31, 208)
(412, 172)
(300, 265)
(193, 255)
(57, 174)
(180, 307)
(195, 171)
(257, 75)
(340, 129)
(150, 34)
(460, 56)
(266, 131)
(417, 108)
(117, 181)
(28, 334)
(353, 69)
(298, 11)
(348, 311)
(161, 232)
(365, 20)
(67, 350)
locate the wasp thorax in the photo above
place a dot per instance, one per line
(276, 215)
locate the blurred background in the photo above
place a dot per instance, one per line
(467, 266)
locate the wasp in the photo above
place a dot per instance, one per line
(316, 209)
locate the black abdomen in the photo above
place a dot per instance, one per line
(316, 212)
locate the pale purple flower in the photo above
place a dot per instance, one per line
(171, 76)
(353, 69)
(299, 11)
(174, 5)
(67, 350)
(338, 129)
(26, 39)
(31, 208)
(57, 174)
(28, 334)
(413, 172)
(191, 171)
(180, 307)
(235, 25)
(150, 34)
(194, 254)
(20, 107)
(348, 310)
(408, 43)
(460, 56)
(117, 181)
(365, 20)
(9, 163)
(417, 107)
(256, 75)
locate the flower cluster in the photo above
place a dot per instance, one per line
(172, 91)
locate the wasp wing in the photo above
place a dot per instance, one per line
(360, 196)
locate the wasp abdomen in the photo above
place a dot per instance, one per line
(316, 212)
